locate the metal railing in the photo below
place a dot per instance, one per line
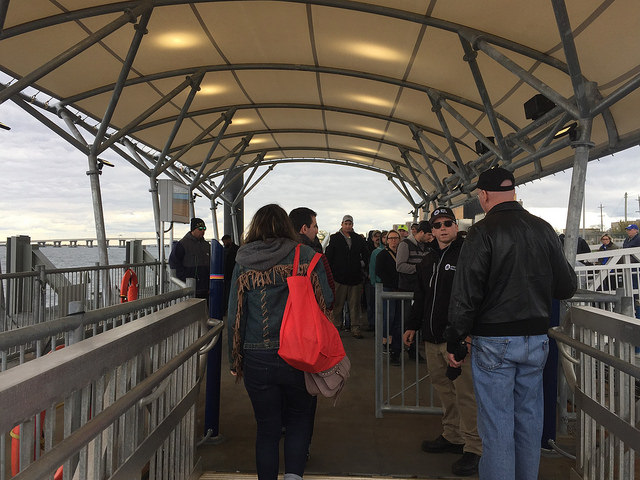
(127, 396)
(21, 345)
(598, 348)
(609, 271)
(405, 388)
(29, 298)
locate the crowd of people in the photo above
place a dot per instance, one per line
(481, 305)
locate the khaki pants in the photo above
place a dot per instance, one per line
(459, 421)
(350, 294)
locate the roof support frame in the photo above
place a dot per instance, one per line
(407, 155)
(236, 152)
(214, 145)
(629, 87)
(291, 67)
(200, 136)
(38, 73)
(140, 31)
(404, 180)
(402, 187)
(276, 131)
(469, 126)
(189, 81)
(416, 137)
(195, 87)
(244, 191)
(4, 6)
(421, 192)
(420, 137)
(470, 56)
(458, 165)
(258, 106)
(480, 43)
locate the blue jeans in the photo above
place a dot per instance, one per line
(507, 379)
(280, 399)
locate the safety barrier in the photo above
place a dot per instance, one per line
(598, 348)
(405, 388)
(29, 298)
(127, 396)
(609, 271)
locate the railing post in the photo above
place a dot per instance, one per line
(378, 350)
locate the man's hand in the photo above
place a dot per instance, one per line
(453, 362)
(408, 336)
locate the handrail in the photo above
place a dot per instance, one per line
(93, 268)
(557, 334)
(83, 435)
(38, 331)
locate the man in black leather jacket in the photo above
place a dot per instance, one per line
(510, 267)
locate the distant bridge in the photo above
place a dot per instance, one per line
(82, 242)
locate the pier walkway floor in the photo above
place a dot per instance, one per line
(348, 440)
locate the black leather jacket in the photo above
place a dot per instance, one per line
(510, 267)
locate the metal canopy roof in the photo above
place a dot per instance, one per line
(406, 91)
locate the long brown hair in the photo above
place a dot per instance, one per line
(270, 221)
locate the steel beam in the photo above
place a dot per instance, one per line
(4, 6)
(417, 165)
(71, 52)
(80, 145)
(474, 131)
(571, 54)
(236, 151)
(200, 136)
(576, 194)
(404, 192)
(292, 67)
(140, 31)
(441, 155)
(458, 165)
(258, 180)
(470, 56)
(195, 87)
(616, 96)
(415, 177)
(405, 181)
(98, 214)
(255, 163)
(214, 145)
(425, 156)
(480, 43)
(150, 111)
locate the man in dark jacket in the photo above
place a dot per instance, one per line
(347, 255)
(510, 267)
(190, 257)
(429, 315)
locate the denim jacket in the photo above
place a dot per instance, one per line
(258, 298)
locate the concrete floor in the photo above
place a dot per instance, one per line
(348, 440)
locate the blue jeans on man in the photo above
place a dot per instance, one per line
(507, 377)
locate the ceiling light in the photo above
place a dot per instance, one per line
(366, 149)
(257, 140)
(373, 131)
(4, 127)
(374, 51)
(371, 100)
(571, 130)
(241, 121)
(211, 89)
(177, 40)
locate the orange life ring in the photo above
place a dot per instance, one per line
(129, 287)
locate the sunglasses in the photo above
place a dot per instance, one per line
(446, 223)
(202, 228)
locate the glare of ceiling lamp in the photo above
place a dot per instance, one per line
(4, 127)
(374, 51)
(211, 89)
(371, 100)
(255, 141)
(177, 40)
(241, 121)
(366, 149)
(373, 131)
(571, 130)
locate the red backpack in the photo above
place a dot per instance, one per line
(308, 339)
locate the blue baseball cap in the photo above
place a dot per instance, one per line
(633, 226)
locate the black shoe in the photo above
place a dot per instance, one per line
(441, 445)
(394, 359)
(467, 465)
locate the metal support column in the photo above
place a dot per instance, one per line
(98, 214)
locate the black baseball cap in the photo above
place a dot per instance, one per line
(491, 179)
(442, 212)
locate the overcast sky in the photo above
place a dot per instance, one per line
(46, 193)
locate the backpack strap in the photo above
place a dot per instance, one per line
(313, 263)
(296, 260)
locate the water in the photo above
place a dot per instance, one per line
(68, 257)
